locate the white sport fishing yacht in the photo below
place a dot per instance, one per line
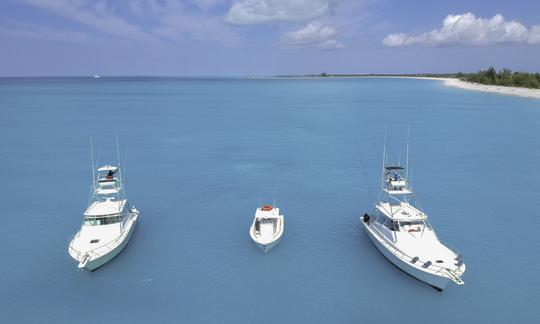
(109, 221)
(400, 230)
(267, 227)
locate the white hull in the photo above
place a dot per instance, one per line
(95, 262)
(267, 227)
(436, 281)
(269, 246)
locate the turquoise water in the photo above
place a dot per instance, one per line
(199, 153)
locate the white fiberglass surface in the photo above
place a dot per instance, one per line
(267, 231)
(86, 240)
(107, 207)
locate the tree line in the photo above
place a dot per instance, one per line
(504, 77)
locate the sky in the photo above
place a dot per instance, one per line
(265, 37)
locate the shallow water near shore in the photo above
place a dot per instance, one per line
(203, 153)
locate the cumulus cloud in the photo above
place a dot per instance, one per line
(313, 35)
(534, 35)
(467, 29)
(141, 20)
(246, 12)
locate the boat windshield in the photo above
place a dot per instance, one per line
(94, 221)
(386, 221)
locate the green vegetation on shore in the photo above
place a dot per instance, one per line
(504, 77)
(346, 75)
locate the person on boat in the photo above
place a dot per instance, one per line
(110, 175)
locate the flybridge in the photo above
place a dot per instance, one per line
(396, 183)
(394, 179)
(107, 180)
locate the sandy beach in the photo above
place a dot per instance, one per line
(453, 82)
(513, 91)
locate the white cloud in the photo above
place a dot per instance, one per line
(466, 29)
(313, 35)
(206, 4)
(246, 12)
(95, 14)
(142, 20)
(534, 35)
(42, 33)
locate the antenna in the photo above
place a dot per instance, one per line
(384, 157)
(117, 150)
(408, 140)
(98, 156)
(273, 196)
(260, 189)
(410, 181)
(119, 168)
(124, 173)
(93, 165)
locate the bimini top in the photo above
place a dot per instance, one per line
(108, 168)
(394, 167)
(107, 191)
(104, 208)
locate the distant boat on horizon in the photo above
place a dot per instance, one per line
(97, 76)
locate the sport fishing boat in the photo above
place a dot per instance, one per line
(109, 221)
(267, 227)
(400, 230)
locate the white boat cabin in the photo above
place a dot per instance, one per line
(408, 229)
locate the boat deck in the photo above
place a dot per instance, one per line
(401, 211)
(267, 231)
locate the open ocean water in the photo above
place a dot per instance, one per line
(199, 152)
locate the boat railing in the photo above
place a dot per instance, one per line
(105, 247)
(93, 251)
(459, 256)
(453, 274)
(456, 251)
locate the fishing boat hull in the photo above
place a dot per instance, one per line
(91, 263)
(436, 281)
(268, 246)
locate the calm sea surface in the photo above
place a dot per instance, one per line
(200, 153)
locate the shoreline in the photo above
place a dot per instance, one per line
(510, 91)
(457, 83)
(449, 82)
